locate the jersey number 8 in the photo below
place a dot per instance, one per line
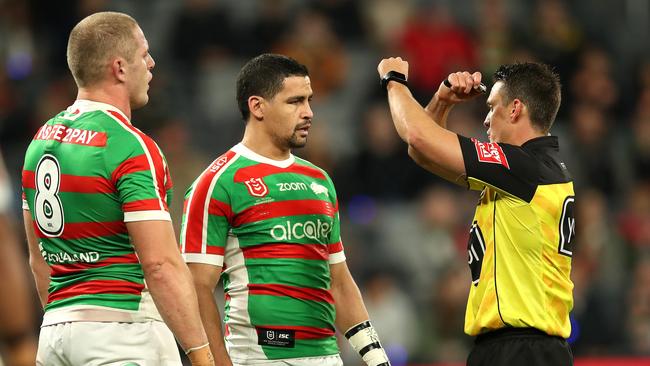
(47, 204)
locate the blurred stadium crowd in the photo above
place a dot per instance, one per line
(404, 231)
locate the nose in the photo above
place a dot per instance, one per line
(152, 62)
(308, 113)
(486, 122)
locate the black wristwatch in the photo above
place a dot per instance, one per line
(394, 76)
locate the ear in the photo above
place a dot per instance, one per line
(516, 110)
(118, 69)
(256, 106)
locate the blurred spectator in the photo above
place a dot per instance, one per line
(381, 169)
(448, 312)
(17, 338)
(600, 258)
(591, 152)
(393, 315)
(385, 20)
(271, 25)
(555, 35)
(593, 83)
(345, 16)
(634, 220)
(638, 319)
(435, 45)
(312, 42)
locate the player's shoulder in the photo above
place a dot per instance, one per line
(306, 164)
(544, 154)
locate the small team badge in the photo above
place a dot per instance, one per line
(318, 189)
(256, 187)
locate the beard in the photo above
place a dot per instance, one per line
(294, 141)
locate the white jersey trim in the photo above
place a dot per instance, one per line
(213, 259)
(206, 206)
(250, 154)
(149, 215)
(241, 341)
(85, 105)
(337, 257)
(95, 313)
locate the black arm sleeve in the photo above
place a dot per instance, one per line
(508, 168)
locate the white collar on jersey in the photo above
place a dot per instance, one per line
(250, 154)
(85, 105)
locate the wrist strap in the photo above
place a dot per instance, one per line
(365, 341)
(394, 76)
(192, 349)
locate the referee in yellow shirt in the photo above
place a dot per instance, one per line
(521, 237)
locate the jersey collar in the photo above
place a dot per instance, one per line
(250, 154)
(543, 142)
(85, 105)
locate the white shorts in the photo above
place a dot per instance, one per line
(334, 360)
(107, 343)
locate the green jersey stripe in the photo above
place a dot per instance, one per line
(85, 263)
(81, 230)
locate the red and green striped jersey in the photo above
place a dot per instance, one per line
(87, 172)
(274, 227)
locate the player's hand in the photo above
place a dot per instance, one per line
(393, 64)
(463, 86)
(201, 357)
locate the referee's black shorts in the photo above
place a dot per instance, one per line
(520, 346)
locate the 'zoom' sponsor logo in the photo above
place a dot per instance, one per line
(299, 230)
(294, 186)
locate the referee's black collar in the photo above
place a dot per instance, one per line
(542, 142)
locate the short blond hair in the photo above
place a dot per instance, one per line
(95, 40)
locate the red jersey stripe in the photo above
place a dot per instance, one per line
(82, 230)
(131, 165)
(303, 293)
(335, 247)
(70, 268)
(196, 206)
(271, 210)
(219, 208)
(262, 170)
(96, 287)
(214, 249)
(73, 183)
(143, 205)
(283, 250)
(301, 332)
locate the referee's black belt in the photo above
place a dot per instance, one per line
(508, 332)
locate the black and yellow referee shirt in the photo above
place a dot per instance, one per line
(521, 238)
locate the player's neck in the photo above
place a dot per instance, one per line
(260, 143)
(112, 95)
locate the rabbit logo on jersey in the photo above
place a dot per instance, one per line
(256, 187)
(314, 230)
